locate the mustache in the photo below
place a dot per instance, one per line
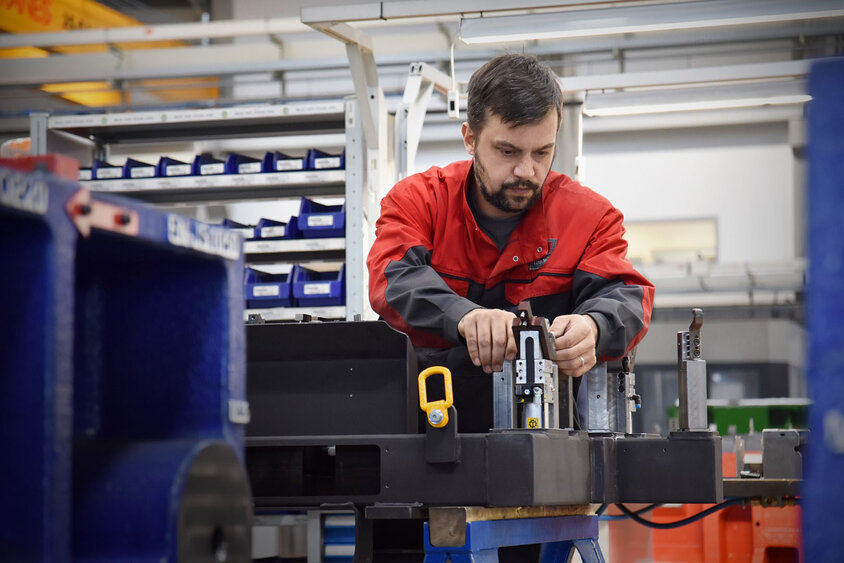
(520, 184)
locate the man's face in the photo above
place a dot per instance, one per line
(511, 163)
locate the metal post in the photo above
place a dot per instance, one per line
(599, 403)
(691, 375)
(570, 138)
(504, 411)
(356, 275)
(38, 132)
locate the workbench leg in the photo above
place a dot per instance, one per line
(589, 550)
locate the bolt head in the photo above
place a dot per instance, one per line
(435, 416)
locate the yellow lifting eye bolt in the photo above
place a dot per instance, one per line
(436, 411)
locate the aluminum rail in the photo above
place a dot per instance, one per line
(156, 33)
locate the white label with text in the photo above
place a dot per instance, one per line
(239, 411)
(142, 172)
(327, 162)
(248, 167)
(212, 168)
(320, 221)
(317, 288)
(23, 191)
(273, 232)
(264, 290)
(292, 164)
(210, 239)
(109, 173)
(177, 170)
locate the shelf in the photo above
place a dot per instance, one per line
(241, 121)
(289, 313)
(298, 250)
(226, 187)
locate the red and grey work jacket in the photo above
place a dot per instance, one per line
(431, 263)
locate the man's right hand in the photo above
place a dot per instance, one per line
(489, 337)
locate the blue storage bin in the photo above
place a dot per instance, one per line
(135, 169)
(241, 164)
(102, 170)
(321, 221)
(92, 406)
(279, 162)
(247, 231)
(270, 229)
(263, 290)
(318, 289)
(204, 165)
(168, 167)
(319, 160)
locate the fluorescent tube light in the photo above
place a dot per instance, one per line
(643, 19)
(697, 105)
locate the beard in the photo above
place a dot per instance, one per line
(504, 199)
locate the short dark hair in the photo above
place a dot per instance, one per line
(517, 88)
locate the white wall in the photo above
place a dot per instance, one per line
(741, 175)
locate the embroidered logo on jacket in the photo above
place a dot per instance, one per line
(536, 264)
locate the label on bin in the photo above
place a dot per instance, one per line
(177, 170)
(85, 174)
(248, 167)
(109, 173)
(327, 162)
(264, 290)
(317, 288)
(271, 232)
(292, 164)
(23, 191)
(210, 239)
(212, 168)
(320, 220)
(239, 411)
(142, 172)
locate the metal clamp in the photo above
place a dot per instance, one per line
(436, 411)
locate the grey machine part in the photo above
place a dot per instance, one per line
(691, 376)
(611, 396)
(339, 460)
(527, 390)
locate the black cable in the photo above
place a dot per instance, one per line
(670, 525)
(623, 516)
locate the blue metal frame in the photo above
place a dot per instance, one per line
(558, 536)
(823, 505)
(121, 357)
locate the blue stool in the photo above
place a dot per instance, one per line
(558, 536)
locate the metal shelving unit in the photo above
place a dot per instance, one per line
(86, 137)
(227, 187)
(299, 250)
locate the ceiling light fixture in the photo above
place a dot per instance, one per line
(643, 19)
(697, 106)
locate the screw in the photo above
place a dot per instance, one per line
(83, 209)
(435, 416)
(122, 219)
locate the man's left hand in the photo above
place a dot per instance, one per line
(575, 337)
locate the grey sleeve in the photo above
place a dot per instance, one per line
(418, 293)
(616, 308)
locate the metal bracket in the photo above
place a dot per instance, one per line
(410, 115)
(442, 445)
